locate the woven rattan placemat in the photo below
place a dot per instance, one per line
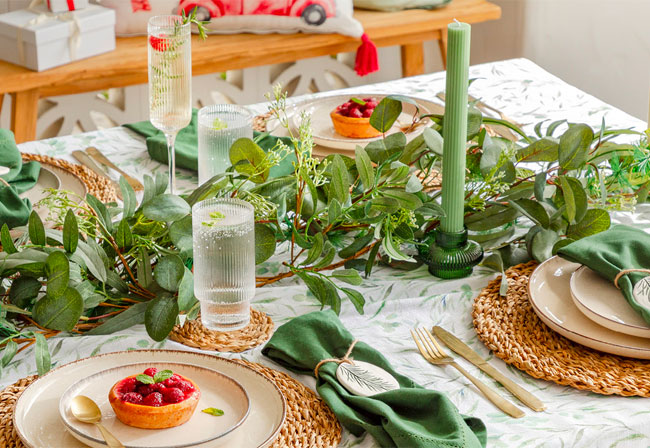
(309, 422)
(98, 186)
(510, 328)
(193, 334)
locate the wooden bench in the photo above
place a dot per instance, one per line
(127, 65)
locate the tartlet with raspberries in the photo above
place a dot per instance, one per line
(154, 399)
(352, 118)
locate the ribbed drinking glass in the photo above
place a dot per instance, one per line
(220, 126)
(223, 232)
(170, 81)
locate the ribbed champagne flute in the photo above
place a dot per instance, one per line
(170, 80)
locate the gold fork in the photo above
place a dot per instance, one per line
(433, 353)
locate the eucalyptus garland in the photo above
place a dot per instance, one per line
(107, 267)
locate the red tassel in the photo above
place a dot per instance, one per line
(367, 61)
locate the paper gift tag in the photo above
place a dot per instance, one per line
(641, 292)
(365, 379)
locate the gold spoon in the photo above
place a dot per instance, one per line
(86, 410)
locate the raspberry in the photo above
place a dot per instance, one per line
(173, 395)
(128, 385)
(153, 399)
(132, 397)
(145, 389)
(185, 386)
(367, 113)
(170, 382)
(356, 113)
(151, 371)
(159, 387)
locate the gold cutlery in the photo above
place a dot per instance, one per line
(434, 354)
(101, 158)
(88, 162)
(86, 410)
(466, 352)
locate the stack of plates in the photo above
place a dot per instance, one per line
(588, 309)
(254, 408)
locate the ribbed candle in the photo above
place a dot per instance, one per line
(455, 126)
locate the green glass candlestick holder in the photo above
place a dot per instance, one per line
(453, 255)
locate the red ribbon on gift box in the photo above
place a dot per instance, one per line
(71, 6)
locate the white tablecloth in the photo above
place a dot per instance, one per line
(397, 300)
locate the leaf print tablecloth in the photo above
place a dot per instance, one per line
(397, 300)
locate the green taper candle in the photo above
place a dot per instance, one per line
(455, 126)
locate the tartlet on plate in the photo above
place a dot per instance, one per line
(352, 118)
(160, 404)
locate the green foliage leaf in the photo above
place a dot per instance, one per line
(364, 167)
(574, 146)
(350, 276)
(36, 229)
(392, 249)
(356, 298)
(359, 243)
(543, 150)
(10, 350)
(166, 208)
(533, 210)
(372, 256)
(596, 220)
(334, 211)
(329, 254)
(123, 236)
(70, 232)
(23, 291)
(316, 250)
(6, 241)
(339, 184)
(541, 247)
(149, 188)
(413, 185)
(169, 272)
(59, 313)
(264, 243)
(160, 317)
(180, 232)
(186, 299)
(101, 211)
(323, 289)
(162, 182)
(247, 158)
(385, 204)
(385, 114)
(575, 198)
(434, 140)
(134, 315)
(42, 354)
(381, 150)
(57, 268)
(406, 200)
(129, 200)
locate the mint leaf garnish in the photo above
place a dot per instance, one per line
(358, 101)
(213, 411)
(162, 376)
(145, 379)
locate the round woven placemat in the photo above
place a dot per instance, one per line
(193, 334)
(309, 422)
(510, 328)
(97, 185)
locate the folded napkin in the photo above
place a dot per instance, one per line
(14, 211)
(411, 416)
(186, 146)
(609, 252)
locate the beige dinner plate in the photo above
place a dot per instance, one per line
(550, 296)
(38, 423)
(323, 130)
(601, 301)
(217, 391)
(46, 179)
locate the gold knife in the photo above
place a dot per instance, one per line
(466, 352)
(101, 158)
(88, 162)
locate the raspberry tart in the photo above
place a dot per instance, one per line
(154, 399)
(352, 118)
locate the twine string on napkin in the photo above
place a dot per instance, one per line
(628, 271)
(346, 358)
(42, 17)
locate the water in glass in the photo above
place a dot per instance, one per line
(224, 262)
(219, 127)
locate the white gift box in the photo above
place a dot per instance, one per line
(66, 5)
(39, 39)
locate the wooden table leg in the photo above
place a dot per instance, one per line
(412, 59)
(24, 114)
(442, 43)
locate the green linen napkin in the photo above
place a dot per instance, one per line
(186, 146)
(411, 416)
(609, 252)
(14, 211)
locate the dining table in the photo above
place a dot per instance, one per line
(398, 301)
